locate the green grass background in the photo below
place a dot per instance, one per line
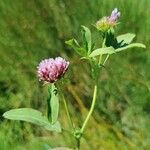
(31, 30)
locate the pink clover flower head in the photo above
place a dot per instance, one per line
(50, 70)
(115, 15)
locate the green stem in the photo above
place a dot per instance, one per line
(78, 133)
(91, 110)
(106, 59)
(78, 144)
(48, 103)
(103, 45)
(104, 41)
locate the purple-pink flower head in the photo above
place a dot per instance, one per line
(50, 70)
(115, 15)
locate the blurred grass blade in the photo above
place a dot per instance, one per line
(32, 116)
(101, 51)
(61, 148)
(54, 103)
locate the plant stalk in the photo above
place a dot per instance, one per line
(106, 59)
(103, 45)
(48, 103)
(78, 144)
(91, 110)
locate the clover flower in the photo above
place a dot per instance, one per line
(108, 22)
(50, 70)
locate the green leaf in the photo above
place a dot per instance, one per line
(130, 46)
(111, 40)
(111, 50)
(54, 103)
(87, 38)
(101, 51)
(75, 45)
(32, 116)
(125, 38)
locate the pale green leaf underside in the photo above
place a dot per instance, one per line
(111, 50)
(130, 46)
(32, 116)
(125, 38)
(101, 51)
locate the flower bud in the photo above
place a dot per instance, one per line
(114, 16)
(103, 24)
(108, 22)
(50, 70)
